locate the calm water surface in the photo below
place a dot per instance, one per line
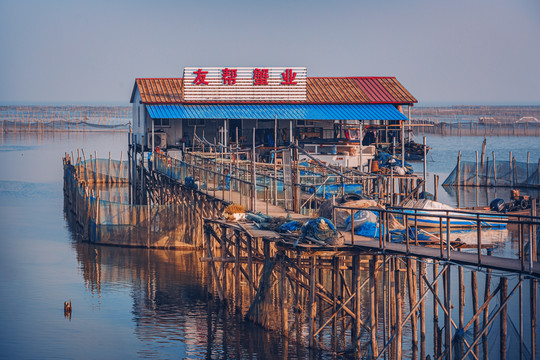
(127, 303)
(442, 159)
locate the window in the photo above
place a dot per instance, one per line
(198, 122)
(305, 123)
(162, 122)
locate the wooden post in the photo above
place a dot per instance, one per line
(237, 279)
(402, 143)
(528, 159)
(253, 177)
(474, 290)
(95, 168)
(436, 343)
(411, 276)
(109, 169)
(372, 307)
(510, 173)
(425, 162)
(483, 151)
(514, 172)
(421, 289)
(486, 313)
(494, 170)
(476, 175)
(435, 186)
(503, 319)
(533, 245)
(448, 314)
(355, 288)
(335, 293)
(275, 159)
(283, 302)
(312, 304)
(249, 242)
(458, 167)
(461, 287)
(397, 288)
(533, 294)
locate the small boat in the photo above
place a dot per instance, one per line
(518, 205)
(428, 213)
(337, 154)
(413, 150)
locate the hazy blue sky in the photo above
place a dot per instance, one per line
(459, 51)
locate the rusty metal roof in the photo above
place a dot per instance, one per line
(320, 90)
(358, 90)
(160, 90)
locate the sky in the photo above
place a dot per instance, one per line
(443, 52)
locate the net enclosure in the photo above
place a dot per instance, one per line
(498, 173)
(97, 207)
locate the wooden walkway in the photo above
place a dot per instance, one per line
(372, 246)
(367, 244)
(261, 206)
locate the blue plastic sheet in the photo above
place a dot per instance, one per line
(291, 226)
(385, 161)
(399, 235)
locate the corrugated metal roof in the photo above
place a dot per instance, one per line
(160, 90)
(283, 112)
(320, 90)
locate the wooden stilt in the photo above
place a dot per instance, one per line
(486, 314)
(372, 305)
(397, 289)
(503, 320)
(421, 289)
(312, 305)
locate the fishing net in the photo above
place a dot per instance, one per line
(103, 171)
(101, 213)
(502, 173)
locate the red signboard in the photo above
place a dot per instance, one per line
(245, 84)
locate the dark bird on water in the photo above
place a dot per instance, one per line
(67, 307)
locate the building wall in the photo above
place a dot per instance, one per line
(139, 111)
(171, 127)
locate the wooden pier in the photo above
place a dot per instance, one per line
(367, 298)
(360, 302)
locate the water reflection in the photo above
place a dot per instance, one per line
(172, 312)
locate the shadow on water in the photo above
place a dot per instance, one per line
(171, 306)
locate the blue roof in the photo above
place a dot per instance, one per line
(283, 112)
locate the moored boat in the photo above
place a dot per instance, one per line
(430, 214)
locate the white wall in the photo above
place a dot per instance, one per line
(139, 113)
